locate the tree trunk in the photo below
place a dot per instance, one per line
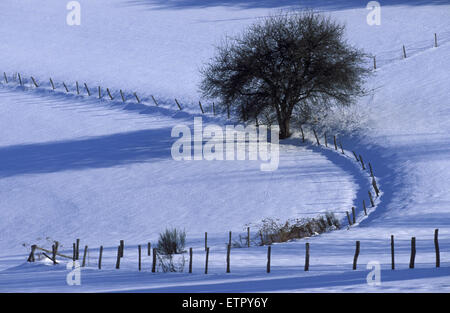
(284, 128)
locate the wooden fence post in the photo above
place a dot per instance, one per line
(356, 157)
(154, 100)
(87, 89)
(307, 257)
(303, 134)
(178, 104)
(154, 261)
(229, 239)
(348, 218)
(54, 247)
(355, 259)
(214, 109)
(435, 40)
(392, 253)
(84, 256)
(137, 98)
(206, 261)
(6, 78)
(354, 215)
(325, 138)
(139, 257)
(335, 144)
(149, 245)
(121, 94)
(371, 171)
(248, 237)
(78, 249)
(317, 138)
(228, 258)
(371, 199)
(413, 252)
(342, 149)
(78, 88)
(121, 248)
(118, 258)
(375, 187)
(206, 240)
(404, 52)
(201, 107)
(20, 79)
(51, 82)
(374, 63)
(74, 257)
(362, 162)
(190, 260)
(65, 86)
(364, 207)
(31, 256)
(436, 247)
(109, 94)
(100, 258)
(268, 258)
(99, 92)
(228, 110)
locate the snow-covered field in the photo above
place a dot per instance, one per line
(78, 167)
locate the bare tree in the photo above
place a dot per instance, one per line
(285, 65)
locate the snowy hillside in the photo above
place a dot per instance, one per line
(73, 166)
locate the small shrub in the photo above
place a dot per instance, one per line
(171, 241)
(272, 230)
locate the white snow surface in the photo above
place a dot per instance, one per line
(73, 166)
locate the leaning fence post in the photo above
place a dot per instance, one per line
(84, 256)
(137, 98)
(121, 94)
(6, 78)
(178, 104)
(154, 100)
(355, 259)
(375, 187)
(371, 171)
(362, 162)
(371, 199)
(268, 258)
(364, 207)
(87, 89)
(78, 88)
(317, 138)
(354, 215)
(109, 94)
(154, 261)
(100, 258)
(303, 134)
(356, 157)
(118, 258)
(201, 107)
(65, 86)
(20, 79)
(348, 218)
(228, 258)
(404, 52)
(342, 149)
(51, 82)
(436, 247)
(392, 253)
(307, 257)
(190, 260)
(139, 257)
(31, 256)
(413, 252)
(206, 261)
